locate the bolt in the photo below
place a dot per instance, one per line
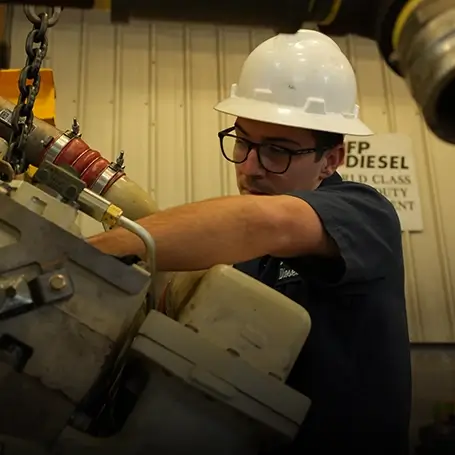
(119, 164)
(46, 141)
(76, 128)
(57, 282)
(120, 161)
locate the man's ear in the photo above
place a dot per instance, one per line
(333, 159)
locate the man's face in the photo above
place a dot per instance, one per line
(304, 172)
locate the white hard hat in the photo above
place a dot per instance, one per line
(302, 80)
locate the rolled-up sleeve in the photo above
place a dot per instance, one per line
(364, 226)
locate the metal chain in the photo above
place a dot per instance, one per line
(36, 46)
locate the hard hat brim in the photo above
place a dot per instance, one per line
(290, 116)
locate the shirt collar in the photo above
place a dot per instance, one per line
(332, 180)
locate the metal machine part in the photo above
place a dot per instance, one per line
(6, 170)
(68, 188)
(426, 54)
(47, 143)
(195, 398)
(67, 312)
(72, 377)
(44, 204)
(415, 37)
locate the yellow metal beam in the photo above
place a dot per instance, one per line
(45, 101)
(104, 5)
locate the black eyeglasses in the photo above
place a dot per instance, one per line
(273, 158)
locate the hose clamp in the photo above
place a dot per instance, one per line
(103, 180)
(58, 145)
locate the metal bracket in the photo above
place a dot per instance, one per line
(60, 180)
(18, 296)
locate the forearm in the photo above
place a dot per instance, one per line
(199, 235)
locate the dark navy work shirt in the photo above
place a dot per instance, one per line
(355, 365)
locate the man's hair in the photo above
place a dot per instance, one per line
(325, 141)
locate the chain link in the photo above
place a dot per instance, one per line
(36, 46)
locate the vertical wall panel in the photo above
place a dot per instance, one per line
(149, 89)
(234, 45)
(172, 149)
(134, 101)
(68, 62)
(202, 73)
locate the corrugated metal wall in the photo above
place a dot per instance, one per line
(150, 89)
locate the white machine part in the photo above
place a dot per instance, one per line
(247, 319)
(94, 373)
(46, 206)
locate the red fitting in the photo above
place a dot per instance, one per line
(88, 163)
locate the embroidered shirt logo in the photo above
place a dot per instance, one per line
(286, 272)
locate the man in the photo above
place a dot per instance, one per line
(332, 246)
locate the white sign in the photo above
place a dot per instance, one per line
(386, 162)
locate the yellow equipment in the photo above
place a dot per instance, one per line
(45, 101)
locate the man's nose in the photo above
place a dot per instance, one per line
(252, 165)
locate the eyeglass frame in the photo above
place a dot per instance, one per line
(254, 145)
